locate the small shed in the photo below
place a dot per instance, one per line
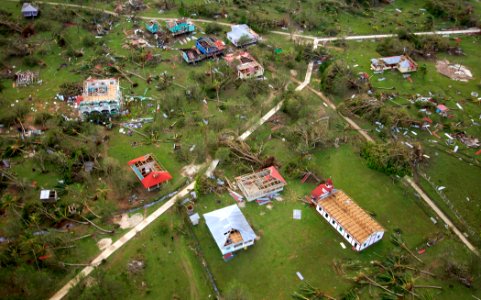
(194, 219)
(29, 11)
(48, 196)
(230, 229)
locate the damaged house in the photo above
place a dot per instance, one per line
(402, 63)
(205, 47)
(230, 230)
(180, 26)
(100, 95)
(355, 225)
(241, 35)
(25, 78)
(264, 183)
(149, 171)
(246, 66)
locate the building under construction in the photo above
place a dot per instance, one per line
(263, 183)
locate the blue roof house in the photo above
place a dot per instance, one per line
(230, 229)
(209, 46)
(241, 35)
(177, 27)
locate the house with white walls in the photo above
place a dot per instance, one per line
(354, 224)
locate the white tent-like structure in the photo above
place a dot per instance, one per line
(28, 10)
(230, 229)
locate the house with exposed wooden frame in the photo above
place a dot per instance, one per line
(354, 224)
(149, 171)
(100, 95)
(230, 230)
(263, 183)
(246, 66)
(402, 63)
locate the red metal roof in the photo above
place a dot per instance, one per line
(142, 158)
(155, 178)
(322, 189)
(276, 174)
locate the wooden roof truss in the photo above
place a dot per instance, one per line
(259, 184)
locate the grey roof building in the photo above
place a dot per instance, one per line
(230, 229)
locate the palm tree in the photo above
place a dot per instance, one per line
(307, 292)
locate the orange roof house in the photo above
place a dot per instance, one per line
(149, 171)
(354, 224)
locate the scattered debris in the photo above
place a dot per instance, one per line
(454, 71)
(104, 243)
(190, 170)
(296, 214)
(135, 266)
(299, 275)
(127, 222)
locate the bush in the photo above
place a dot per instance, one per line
(338, 78)
(43, 25)
(89, 41)
(394, 46)
(389, 158)
(31, 61)
(213, 28)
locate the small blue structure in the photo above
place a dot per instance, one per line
(241, 35)
(152, 27)
(178, 27)
(29, 11)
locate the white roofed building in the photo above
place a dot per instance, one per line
(230, 229)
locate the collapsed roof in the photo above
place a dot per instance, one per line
(223, 222)
(149, 171)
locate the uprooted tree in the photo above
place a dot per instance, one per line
(392, 158)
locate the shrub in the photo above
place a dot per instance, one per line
(389, 158)
(213, 28)
(89, 41)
